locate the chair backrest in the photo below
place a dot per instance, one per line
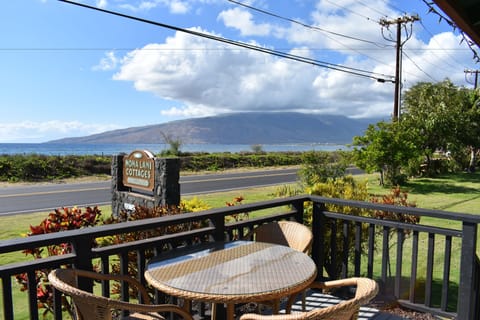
(289, 233)
(366, 290)
(87, 305)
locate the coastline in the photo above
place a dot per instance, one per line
(105, 149)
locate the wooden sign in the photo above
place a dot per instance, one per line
(139, 170)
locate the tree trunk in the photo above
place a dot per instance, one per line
(473, 159)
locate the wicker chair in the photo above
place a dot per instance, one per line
(366, 290)
(89, 306)
(288, 233)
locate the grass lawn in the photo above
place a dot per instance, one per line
(456, 193)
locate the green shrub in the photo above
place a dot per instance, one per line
(42, 167)
(350, 189)
(321, 166)
(59, 220)
(343, 188)
(222, 161)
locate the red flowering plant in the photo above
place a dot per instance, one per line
(59, 220)
(396, 197)
(237, 216)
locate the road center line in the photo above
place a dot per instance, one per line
(243, 177)
(48, 192)
(103, 188)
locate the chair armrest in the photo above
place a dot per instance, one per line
(366, 289)
(116, 277)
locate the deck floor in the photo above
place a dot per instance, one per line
(320, 300)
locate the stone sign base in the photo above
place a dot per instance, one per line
(166, 189)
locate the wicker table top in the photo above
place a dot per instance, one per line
(233, 272)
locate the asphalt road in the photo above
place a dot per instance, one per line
(46, 197)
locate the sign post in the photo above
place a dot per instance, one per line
(141, 179)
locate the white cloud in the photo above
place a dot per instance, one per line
(175, 6)
(141, 6)
(109, 62)
(210, 78)
(179, 7)
(243, 21)
(441, 57)
(349, 32)
(102, 3)
(234, 80)
(189, 112)
(30, 131)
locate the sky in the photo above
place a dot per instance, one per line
(68, 71)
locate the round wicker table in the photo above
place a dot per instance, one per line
(230, 273)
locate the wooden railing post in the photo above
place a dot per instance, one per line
(219, 224)
(82, 247)
(466, 293)
(298, 206)
(7, 297)
(318, 230)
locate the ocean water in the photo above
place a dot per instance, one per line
(111, 149)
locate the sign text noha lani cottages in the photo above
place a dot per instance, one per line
(139, 170)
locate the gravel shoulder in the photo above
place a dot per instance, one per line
(85, 179)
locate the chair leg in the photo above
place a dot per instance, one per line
(291, 300)
(276, 307)
(304, 300)
(187, 305)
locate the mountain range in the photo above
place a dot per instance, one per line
(240, 128)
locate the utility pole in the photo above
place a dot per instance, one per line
(401, 21)
(475, 72)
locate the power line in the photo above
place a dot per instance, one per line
(388, 3)
(320, 29)
(373, 9)
(381, 45)
(418, 67)
(434, 51)
(353, 71)
(182, 49)
(157, 49)
(447, 61)
(350, 10)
